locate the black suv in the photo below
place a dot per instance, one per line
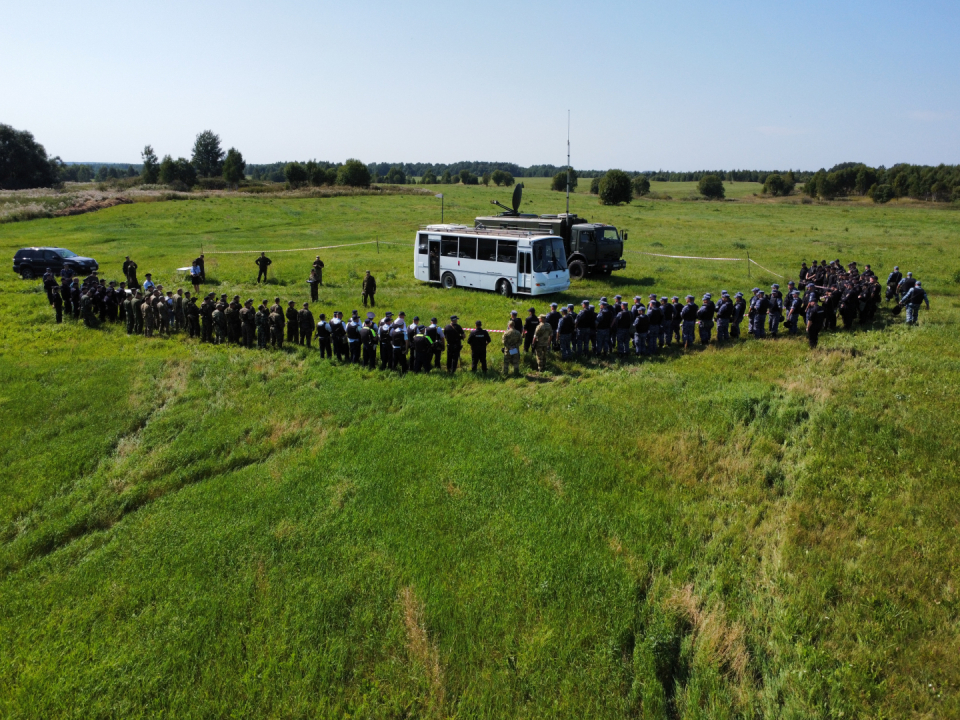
(33, 262)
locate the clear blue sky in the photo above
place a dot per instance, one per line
(673, 85)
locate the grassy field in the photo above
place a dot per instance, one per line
(753, 531)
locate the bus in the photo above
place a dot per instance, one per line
(507, 261)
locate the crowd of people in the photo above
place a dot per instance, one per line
(609, 329)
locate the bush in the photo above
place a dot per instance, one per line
(395, 176)
(711, 187)
(560, 181)
(485, 178)
(353, 173)
(212, 183)
(595, 186)
(641, 185)
(468, 178)
(501, 177)
(881, 194)
(774, 184)
(296, 174)
(615, 188)
(233, 167)
(429, 178)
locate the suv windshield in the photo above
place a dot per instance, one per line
(65, 253)
(608, 234)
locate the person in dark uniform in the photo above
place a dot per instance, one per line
(565, 331)
(585, 324)
(263, 262)
(705, 319)
(233, 319)
(383, 338)
(368, 289)
(206, 317)
(814, 318)
(57, 303)
(305, 327)
(435, 333)
(655, 317)
(677, 324)
(454, 336)
(478, 341)
(641, 327)
(553, 318)
(529, 328)
(666, 326)
(421, 345)
(398, 341)
(198, 262)
(323, 337)
(893, 280)
(130, 273)
(605, 319)
(293, 322)
(739, 308)
(623, 324)
(247, 322)
(49, 282)
(368, 344)
(760, 315)
(515, 322)
(338, 335)
(314, 282)
(318, 268)
(688, 316)
(353, 339)
(724, 315)
(276, 328)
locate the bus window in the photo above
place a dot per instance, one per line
(448, 246)
(468, 248)
(486, 249)
(507, 251)
(539, 264)
(548, 256)
(422, 240)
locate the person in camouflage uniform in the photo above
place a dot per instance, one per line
(276, 328)
(247, 317)
(512, 339)
(219, 324)
(262, 320)
(128, 312)
(147, 311)
(542, 339)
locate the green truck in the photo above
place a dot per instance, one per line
(592, 248)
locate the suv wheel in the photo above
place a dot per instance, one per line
(448, 281)
(504, 288)
(26, 273)
(578, 269)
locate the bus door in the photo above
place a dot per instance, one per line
(524, 271)
(435, 260)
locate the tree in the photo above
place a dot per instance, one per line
(296, 174)
(151, 168)
(641, 185)
(595, 186)
(167, 171)
(711, 187)
(396, 176)
(882, 194)
(774, 184)
(353, 173)
(468, 178)
(208, 155)
(233, 166)
(615, 188)
(485, 178)
(866, 178)
(429, 178)
(497, 177)
(446, 179)
(559, 182)
(507, 179)
(24, 162)
(186, 174)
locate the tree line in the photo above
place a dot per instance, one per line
(920, 182)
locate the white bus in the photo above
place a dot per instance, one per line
(507, 261)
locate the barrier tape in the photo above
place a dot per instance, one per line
(325, 247)
(684, 257)
(765, 269)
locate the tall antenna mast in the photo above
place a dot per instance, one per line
(568, 162)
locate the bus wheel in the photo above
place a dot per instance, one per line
(578, 269)
(448, 281)
(503, 287)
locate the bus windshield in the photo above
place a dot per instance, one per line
(549, 255)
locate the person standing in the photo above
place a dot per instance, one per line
(666, 325)
(623, 326)
(553, 317)
(705, 319)
(760, 309)
(478, 341)
(655, 317)
(128, 313)
(383, 338)
(724, 313)
(542, 342)
(148, 286)
(688, 316)
(263, 262)
(398, 341)
(586, 324)
(195, 275)
(247, 323)
(529, 328)
(318, 268)
(338, 335)
(641, 329)
(314, 283)
(323, 337)
(913, 299)
(199, 263)
(368, 345)
(306, 325)
(130, 273)
(57, 303)
(454, 336)
(206, 319)
(147, 310)
(352, 330)
(565, 330)
(739, 309)
(220, 324)
(368, 289)
(776, 309)
(814, 318)
(512, 339)
(605, 320)
(293, 323)
(435, 333)
(276, 328)
(893, 280)
(49, 283)
(421, 350)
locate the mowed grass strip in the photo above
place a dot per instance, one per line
(757, 530)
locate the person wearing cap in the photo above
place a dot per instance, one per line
(419, 349)
(368, 289)
(147, 310)
(324, 335)
(724, 316)
(478, 341)
(248, 319)
(368, 343)
(565, 330)
(205, 311)
(128, 317)
(195, 277)
(49, 282)
(814, 320)
(399, 341)
(553, 317)
(893, 279)
(705, 318)
(306, 325)
(293, 322)
(354, 347)
(529, 328)
(794, 311)
(688, 316)
(192, 312)
(454, 336)
(314, 282)
(761, 307)
(318, 269)
(655, 320)
(912, 300)
(262, 263)
(57, 303)
(752, 312)
(435, 333)
(383, 340)
(65, 294)
(641, 327)
(130, 272)
(233, 318)
(676, 324)
(338, 336)
(804, 272)
(261, 321)
(515, 321)
(148, 286)
(512, 339)
(904, 286)
(666, 325)
(542, 342)
(776, 309)
(276, 326)
(586, 326)
(199, 263)
(605, 319)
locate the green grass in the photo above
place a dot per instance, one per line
(752, 531)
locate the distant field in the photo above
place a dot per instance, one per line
(751, 531)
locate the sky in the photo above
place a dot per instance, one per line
(673, 86)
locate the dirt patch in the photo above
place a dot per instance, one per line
(718, 642)
(90, 205)
(423, 652)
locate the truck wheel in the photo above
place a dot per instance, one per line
(26, 274)
(504, 288)
(578, 270)
(448, 281)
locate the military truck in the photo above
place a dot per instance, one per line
(592, 248)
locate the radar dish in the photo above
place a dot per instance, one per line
(517, 194)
